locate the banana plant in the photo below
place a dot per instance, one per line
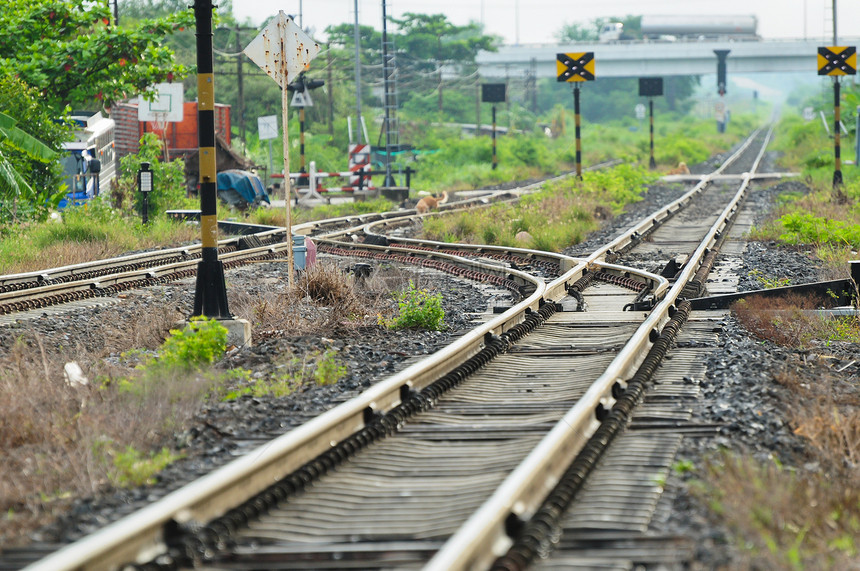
(12, 182)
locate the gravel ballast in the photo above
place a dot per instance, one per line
(739, 388)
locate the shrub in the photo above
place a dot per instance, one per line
(201, 342)
(418, 308)
(168, 187)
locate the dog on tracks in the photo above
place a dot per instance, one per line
(429, 203)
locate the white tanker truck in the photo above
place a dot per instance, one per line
(677, 27)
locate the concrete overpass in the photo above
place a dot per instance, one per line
(642, 59)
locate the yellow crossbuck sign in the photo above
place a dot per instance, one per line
(575, 67)
(837, 60)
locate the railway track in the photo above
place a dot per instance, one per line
(477, 435)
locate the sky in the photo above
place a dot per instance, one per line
(538, 21)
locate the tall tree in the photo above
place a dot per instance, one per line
(71, 52)
(430, 41)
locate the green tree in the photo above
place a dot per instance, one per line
(30, 138)
(71, 53)
(430, 42)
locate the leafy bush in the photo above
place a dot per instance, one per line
(805, 228)
(418, 308)
(201, 342)
(168, 180)
(328, 369)
(30, 145)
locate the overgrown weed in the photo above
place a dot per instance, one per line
(791, 320)
(60, 440)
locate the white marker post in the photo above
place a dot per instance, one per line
(283, 50)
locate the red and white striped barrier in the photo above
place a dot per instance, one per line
(359, 160)
(313, 177)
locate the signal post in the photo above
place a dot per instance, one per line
(575, 68)
(837, 61)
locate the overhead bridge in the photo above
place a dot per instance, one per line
(642, 59)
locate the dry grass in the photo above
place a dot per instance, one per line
(59, 441)
(796, 518)
(326, 298)
(791, 321)
(782, 519)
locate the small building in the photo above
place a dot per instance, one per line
(181, 138)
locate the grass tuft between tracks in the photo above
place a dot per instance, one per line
(559, 215)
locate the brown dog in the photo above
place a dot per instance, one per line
(681, 169)
(428, 203)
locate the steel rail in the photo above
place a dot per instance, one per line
(649, 223)
(483, 537)
(140, 536)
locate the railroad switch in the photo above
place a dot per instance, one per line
(671, 269)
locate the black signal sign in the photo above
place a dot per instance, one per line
(493, 93)
(575, 67)
(837, 60)
(650, 86)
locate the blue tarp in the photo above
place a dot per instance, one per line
(237, 186)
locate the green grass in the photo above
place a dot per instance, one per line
(557, 216)
(82, 234)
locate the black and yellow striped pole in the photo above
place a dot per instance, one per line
(837, 172)
(575, 68)
(576, 122)
(836, 61)
(210, 297)
(652, 163)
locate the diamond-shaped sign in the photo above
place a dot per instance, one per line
(282, 50)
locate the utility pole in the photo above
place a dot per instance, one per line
(357, 38)
(386, 85)
(330, 94)
(240, 99)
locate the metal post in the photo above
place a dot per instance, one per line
(653, 163)
(577, 131)
(857, 137)
(358, 75)
(144, 184)
(302, 179)
(837, 173)
(285, 114)
(495, 158)
(210, 297)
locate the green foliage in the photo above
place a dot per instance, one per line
(30, 172)
(168, 180)
(133, 468)
(557, 216)
(328, 370)
(321, 368)
(769, 283)
(418, 308)
(201, 342)
(68, 50)
(806, 228)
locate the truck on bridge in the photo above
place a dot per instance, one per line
(683, 27)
